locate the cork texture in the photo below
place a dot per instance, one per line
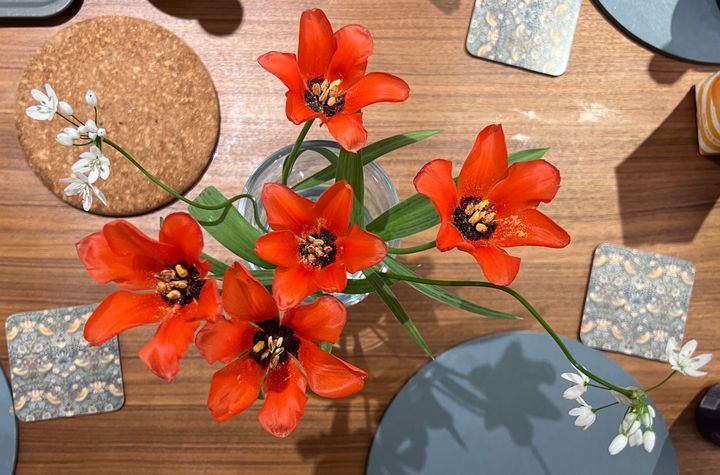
(156, 100)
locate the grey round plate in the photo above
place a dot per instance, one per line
(8, 429)
(685, 29)
(494, 405)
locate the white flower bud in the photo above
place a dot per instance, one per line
(65, 108)
(91, 98)
(617, 444)
(72, 132)
(649, 440)
(101, 132)
(64, 139)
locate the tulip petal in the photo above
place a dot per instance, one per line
(486, 164)
(448, 237)
(334, 208)
(235, 388)
(526, 185)
(209, 304)
(129, 242)
(123, 310)
(285, 67)
(348, 130)
(316, 45)
(105, 266)
(331, 278)
(375, 87)
(224, 340)
(296, 108)
(328, 375)
(287, 210)
(354, 47)
(435, 181)
(278, 247)
(181, 231)
(292, 284)
(285, 400)
(245, 298)
(162, 354)
(529, 227)
(322, 320)
(360, 249)
(499, 267)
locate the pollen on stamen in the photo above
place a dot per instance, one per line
(318, 249)
(324, 96)
(475, 218)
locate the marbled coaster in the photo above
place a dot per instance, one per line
(530, 34)
(53, 371)
(636, 301)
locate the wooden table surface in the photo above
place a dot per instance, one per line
(621, 127)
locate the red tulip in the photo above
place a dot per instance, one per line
(170, 268)
(327, 79)
(492, 207)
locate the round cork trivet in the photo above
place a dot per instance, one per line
(155, 99)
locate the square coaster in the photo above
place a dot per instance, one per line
(636, 301)
(54, 372)
(531, 34)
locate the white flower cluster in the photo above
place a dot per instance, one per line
(636, 428)
(93, 165)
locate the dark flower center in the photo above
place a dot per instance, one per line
(475, 218)
(318, 249)
(324, 96)
(179, 284)
(273, 343)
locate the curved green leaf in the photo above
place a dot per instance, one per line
(443, 296)
(233, 231)
(369, 153)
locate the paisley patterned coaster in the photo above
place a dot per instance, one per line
(531, 34)
(54, 373)
(636, 301)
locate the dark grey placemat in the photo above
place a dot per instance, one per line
(494, 406)
(8, 429)
(54, 372)
(686, 29)
(636, 301)
(32, 8)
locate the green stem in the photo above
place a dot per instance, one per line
(65, 117)
(526, 304)
(295, 152)
(667, 378)
(222, 206)
(411, 250)
(596, 409)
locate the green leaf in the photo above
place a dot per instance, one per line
(417, 213)
(265, 276)
(527, 155)
(369, 153)
(326, 346)
(327, 153)
(233, 231)
(383, 290)
(350, 168)
(442, 295)
(218, 267)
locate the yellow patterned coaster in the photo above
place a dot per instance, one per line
(53, 371)
(636, 301)
(530, 34)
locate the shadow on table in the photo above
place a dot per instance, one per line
(665, 70)
(666, 188)
(217, 17)
(56, 20)
(446, 6)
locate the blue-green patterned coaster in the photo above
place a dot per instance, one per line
(636, 301)
(53, 371)
(530, 34)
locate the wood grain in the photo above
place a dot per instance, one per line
(621, 128)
